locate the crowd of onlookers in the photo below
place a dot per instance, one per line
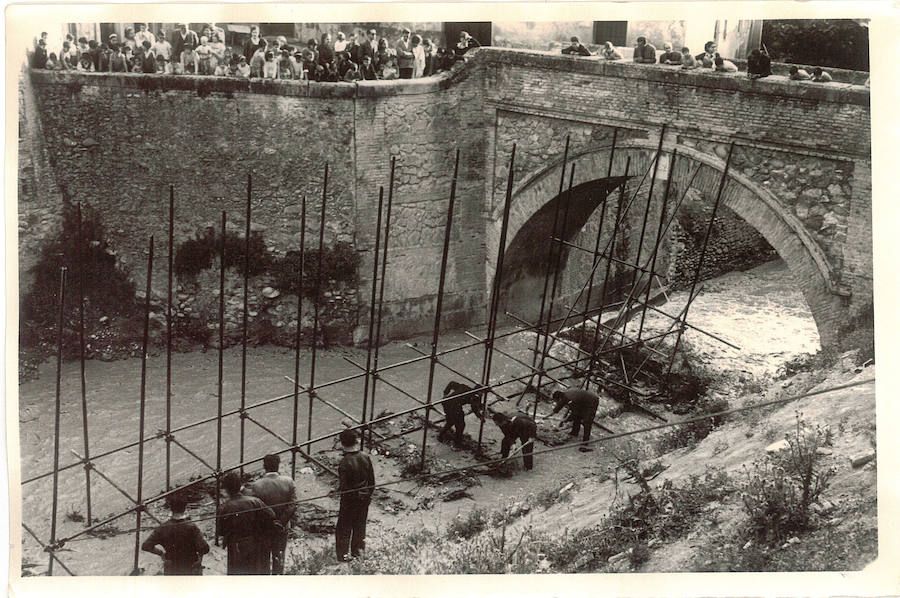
(759, 64)
(184, 51)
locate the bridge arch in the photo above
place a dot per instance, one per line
(757, 206)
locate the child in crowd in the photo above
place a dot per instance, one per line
(94, 51)
(147, 59)
(390, 70)
(52, 62)
(105, 53)
(723, 65)
(798, 74)
(353, 73)
(430, 51)
(258, 59)
(162, 66)
(368, 69)
(820, 76)
(162, 48)
(39, 60)
(117, 61)
(286, 68)
(64, 56)
(243, 69)
(204, 57)
(609, 52)
(688, 62)
(270, 68)
(190, 59)
(86, 64)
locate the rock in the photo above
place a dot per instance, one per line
(835, 190)
(823, 507)
(617, 558)
(104, 319)
(777, 446)
(747, 545)
(270, 293)
(823, 451)
(566, 488)
(306, 470)
(90, 142)
(794, 540)
(256, 227)
(861, 459)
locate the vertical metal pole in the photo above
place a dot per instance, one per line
(440, 305)
(656, 245)
(297, 339)
(495, 296)
(244, 321)
(84, 412)
(375, 265)
(556, 273)
(637, 260)
(316, 299)
(384, 258)
(140, 479)
(590, 291)
(540, 322)
(221, 364)
(169, 338)
(697, 272)
(59, 349)
(612, 251)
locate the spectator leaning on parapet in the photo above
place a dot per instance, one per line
(688, 62)
(370, 46)
(430, 51)
(162, 48)
(820, 76)
(758, 64)
(368, 69)
(669, 56)
(798, 74)
(147, 59)
(724, 66)
(326, 50)
(181, 39)
(609, 52)
(403, 48)
(39, 59)
(382, 55)
(258, 60)
(340, 43)
(644, 53)
(143, 35)
(466, 43)
(708, 56)
(575, 47)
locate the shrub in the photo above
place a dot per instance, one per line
(779, 489)
(691, 433)
(198, 253)
(473, 523)
(339, 263)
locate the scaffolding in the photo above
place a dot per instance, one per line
(610, 338)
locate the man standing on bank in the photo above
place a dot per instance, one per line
(280, 494)
(582, 406)
(183, 544)
(357, 478)
(245, 523)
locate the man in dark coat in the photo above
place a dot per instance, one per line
(521, 428)
(357, 478)
(453, 409)
(582, 406)
(183, 38)
(183, 544)
(280, 494)
(245, 523)
(576, 48)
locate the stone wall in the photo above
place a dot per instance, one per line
(117, 141)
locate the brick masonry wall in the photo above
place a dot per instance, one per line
(117, 141)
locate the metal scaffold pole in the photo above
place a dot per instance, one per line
(372, 310)
(699, 269)
(169, 337)
(317, 298)
(220, 379)
(140, 475)
(59, 349)
(445, 254)
(384, 259)
(635, 277)
(246, 309)
(81, 358)
(298, 334)
(491, 336)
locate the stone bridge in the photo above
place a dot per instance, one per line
(800, 173)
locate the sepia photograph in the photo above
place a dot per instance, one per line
(347, 293)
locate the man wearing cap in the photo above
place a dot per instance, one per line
(582, 405)
(280, 494)
(576, 48)
(183, 39)
(405, 56)
(357, 479)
